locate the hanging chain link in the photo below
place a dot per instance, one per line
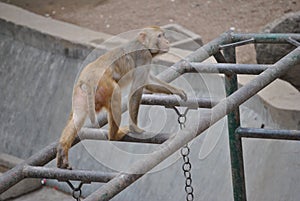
(187, 166)
(76, 191)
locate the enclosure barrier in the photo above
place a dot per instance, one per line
(223, 49)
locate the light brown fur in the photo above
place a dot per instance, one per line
(97, 87)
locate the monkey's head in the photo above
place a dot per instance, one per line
(154, 39)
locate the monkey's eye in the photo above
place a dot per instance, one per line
(159, 35)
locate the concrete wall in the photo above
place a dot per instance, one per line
(37, 75)
(35, 92)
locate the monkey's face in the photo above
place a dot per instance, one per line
(155, 40)
(162, 43)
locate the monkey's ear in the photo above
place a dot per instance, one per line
(142, 37)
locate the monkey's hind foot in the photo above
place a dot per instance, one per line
(123, 131)
(136, 129)
(120, 134)
(61, 159)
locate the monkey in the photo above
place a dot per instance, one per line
(98, 87)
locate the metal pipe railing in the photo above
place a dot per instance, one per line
(226, 68)
(265, 38)
(199, 55)
(121, 181)
(233, 122)
(268, 134)
(14, 175)
(100, 134)
(170, 101)
(223, 108)
(86, 176)
(260, 133)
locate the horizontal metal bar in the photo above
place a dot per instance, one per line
(239, 43)
(14, 175)
(123, 180)
(265, 37)
(268, 133)
(86, 176)
(293, 42)
(172, 100)
(146, 137)
(226, 68)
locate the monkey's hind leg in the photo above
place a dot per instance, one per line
(134, 105)
(67, 137)
(114, 111)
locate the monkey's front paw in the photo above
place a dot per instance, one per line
(182, 95)
(63, 164)
(61, 159)
(135, 129)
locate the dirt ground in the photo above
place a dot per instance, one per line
(208, 18)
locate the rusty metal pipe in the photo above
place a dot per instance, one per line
(86, 176)
(226, 68)
(268, 133)
(170, 101)
(265, 37)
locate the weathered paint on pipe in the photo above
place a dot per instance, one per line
(86, 176)
(261, 134)
(170, 101)
(199, 55)
(227, 68)
(100, 134)
(265, 37)
(268, 133)
(238, 177)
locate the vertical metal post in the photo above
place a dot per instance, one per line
(236, 156)
(238, 179)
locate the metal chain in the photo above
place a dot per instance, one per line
(76, 191)
(187, 166)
